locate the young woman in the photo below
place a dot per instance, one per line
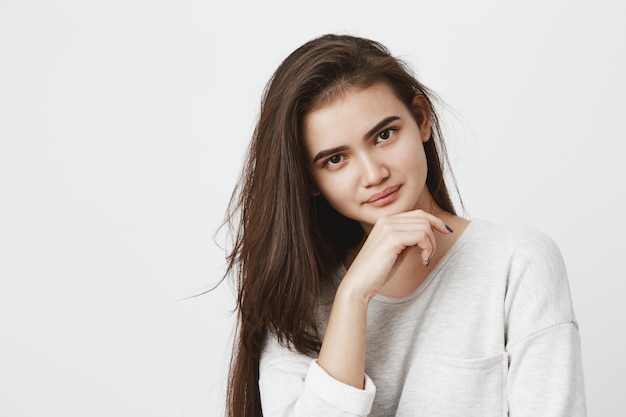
(361, 292)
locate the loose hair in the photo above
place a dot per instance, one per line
(287, 241)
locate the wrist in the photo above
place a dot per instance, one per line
(350, 293)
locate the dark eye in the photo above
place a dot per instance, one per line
(334, 160)
(385, 134)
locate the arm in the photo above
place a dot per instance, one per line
(335, 384)
(343, 349)
(546, 376)
(293, 384)
(545, 367)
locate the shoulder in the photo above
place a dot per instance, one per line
(519, 241)
(530, 256)
(537, 294)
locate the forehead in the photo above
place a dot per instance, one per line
(350, 115)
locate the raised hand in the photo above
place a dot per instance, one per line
(343, 349)
(387, 246)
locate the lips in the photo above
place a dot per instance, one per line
(381, 196)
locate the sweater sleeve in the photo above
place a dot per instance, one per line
(545, 375)
(292, 384)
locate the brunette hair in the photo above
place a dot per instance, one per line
(286, 241)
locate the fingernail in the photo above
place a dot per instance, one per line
(430, 258)
(451, 230)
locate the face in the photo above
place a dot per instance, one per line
(366, 153)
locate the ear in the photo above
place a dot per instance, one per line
(421, 110)
(315, 192)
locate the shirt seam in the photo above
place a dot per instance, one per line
(513, 347)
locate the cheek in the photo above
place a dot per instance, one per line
(413, 159)
(331, 186)
(335, 188)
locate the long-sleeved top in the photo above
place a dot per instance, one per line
(490, 332)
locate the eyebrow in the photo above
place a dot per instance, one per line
(370, 133)
(379, 126)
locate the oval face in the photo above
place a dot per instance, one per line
(366, 154)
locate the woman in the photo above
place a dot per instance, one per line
(361, 292)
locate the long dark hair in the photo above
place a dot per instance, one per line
(285, 240)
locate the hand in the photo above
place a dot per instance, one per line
(386, 247)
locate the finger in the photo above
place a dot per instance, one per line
(435, 222)
(428, 250)
(424, 239)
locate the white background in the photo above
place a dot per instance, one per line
(123, 126)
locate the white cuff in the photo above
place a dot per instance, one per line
(342, 396)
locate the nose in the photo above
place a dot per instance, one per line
(373, 170)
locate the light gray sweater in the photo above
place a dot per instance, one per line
(491, 332)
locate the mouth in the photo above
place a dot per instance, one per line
(384, 197)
